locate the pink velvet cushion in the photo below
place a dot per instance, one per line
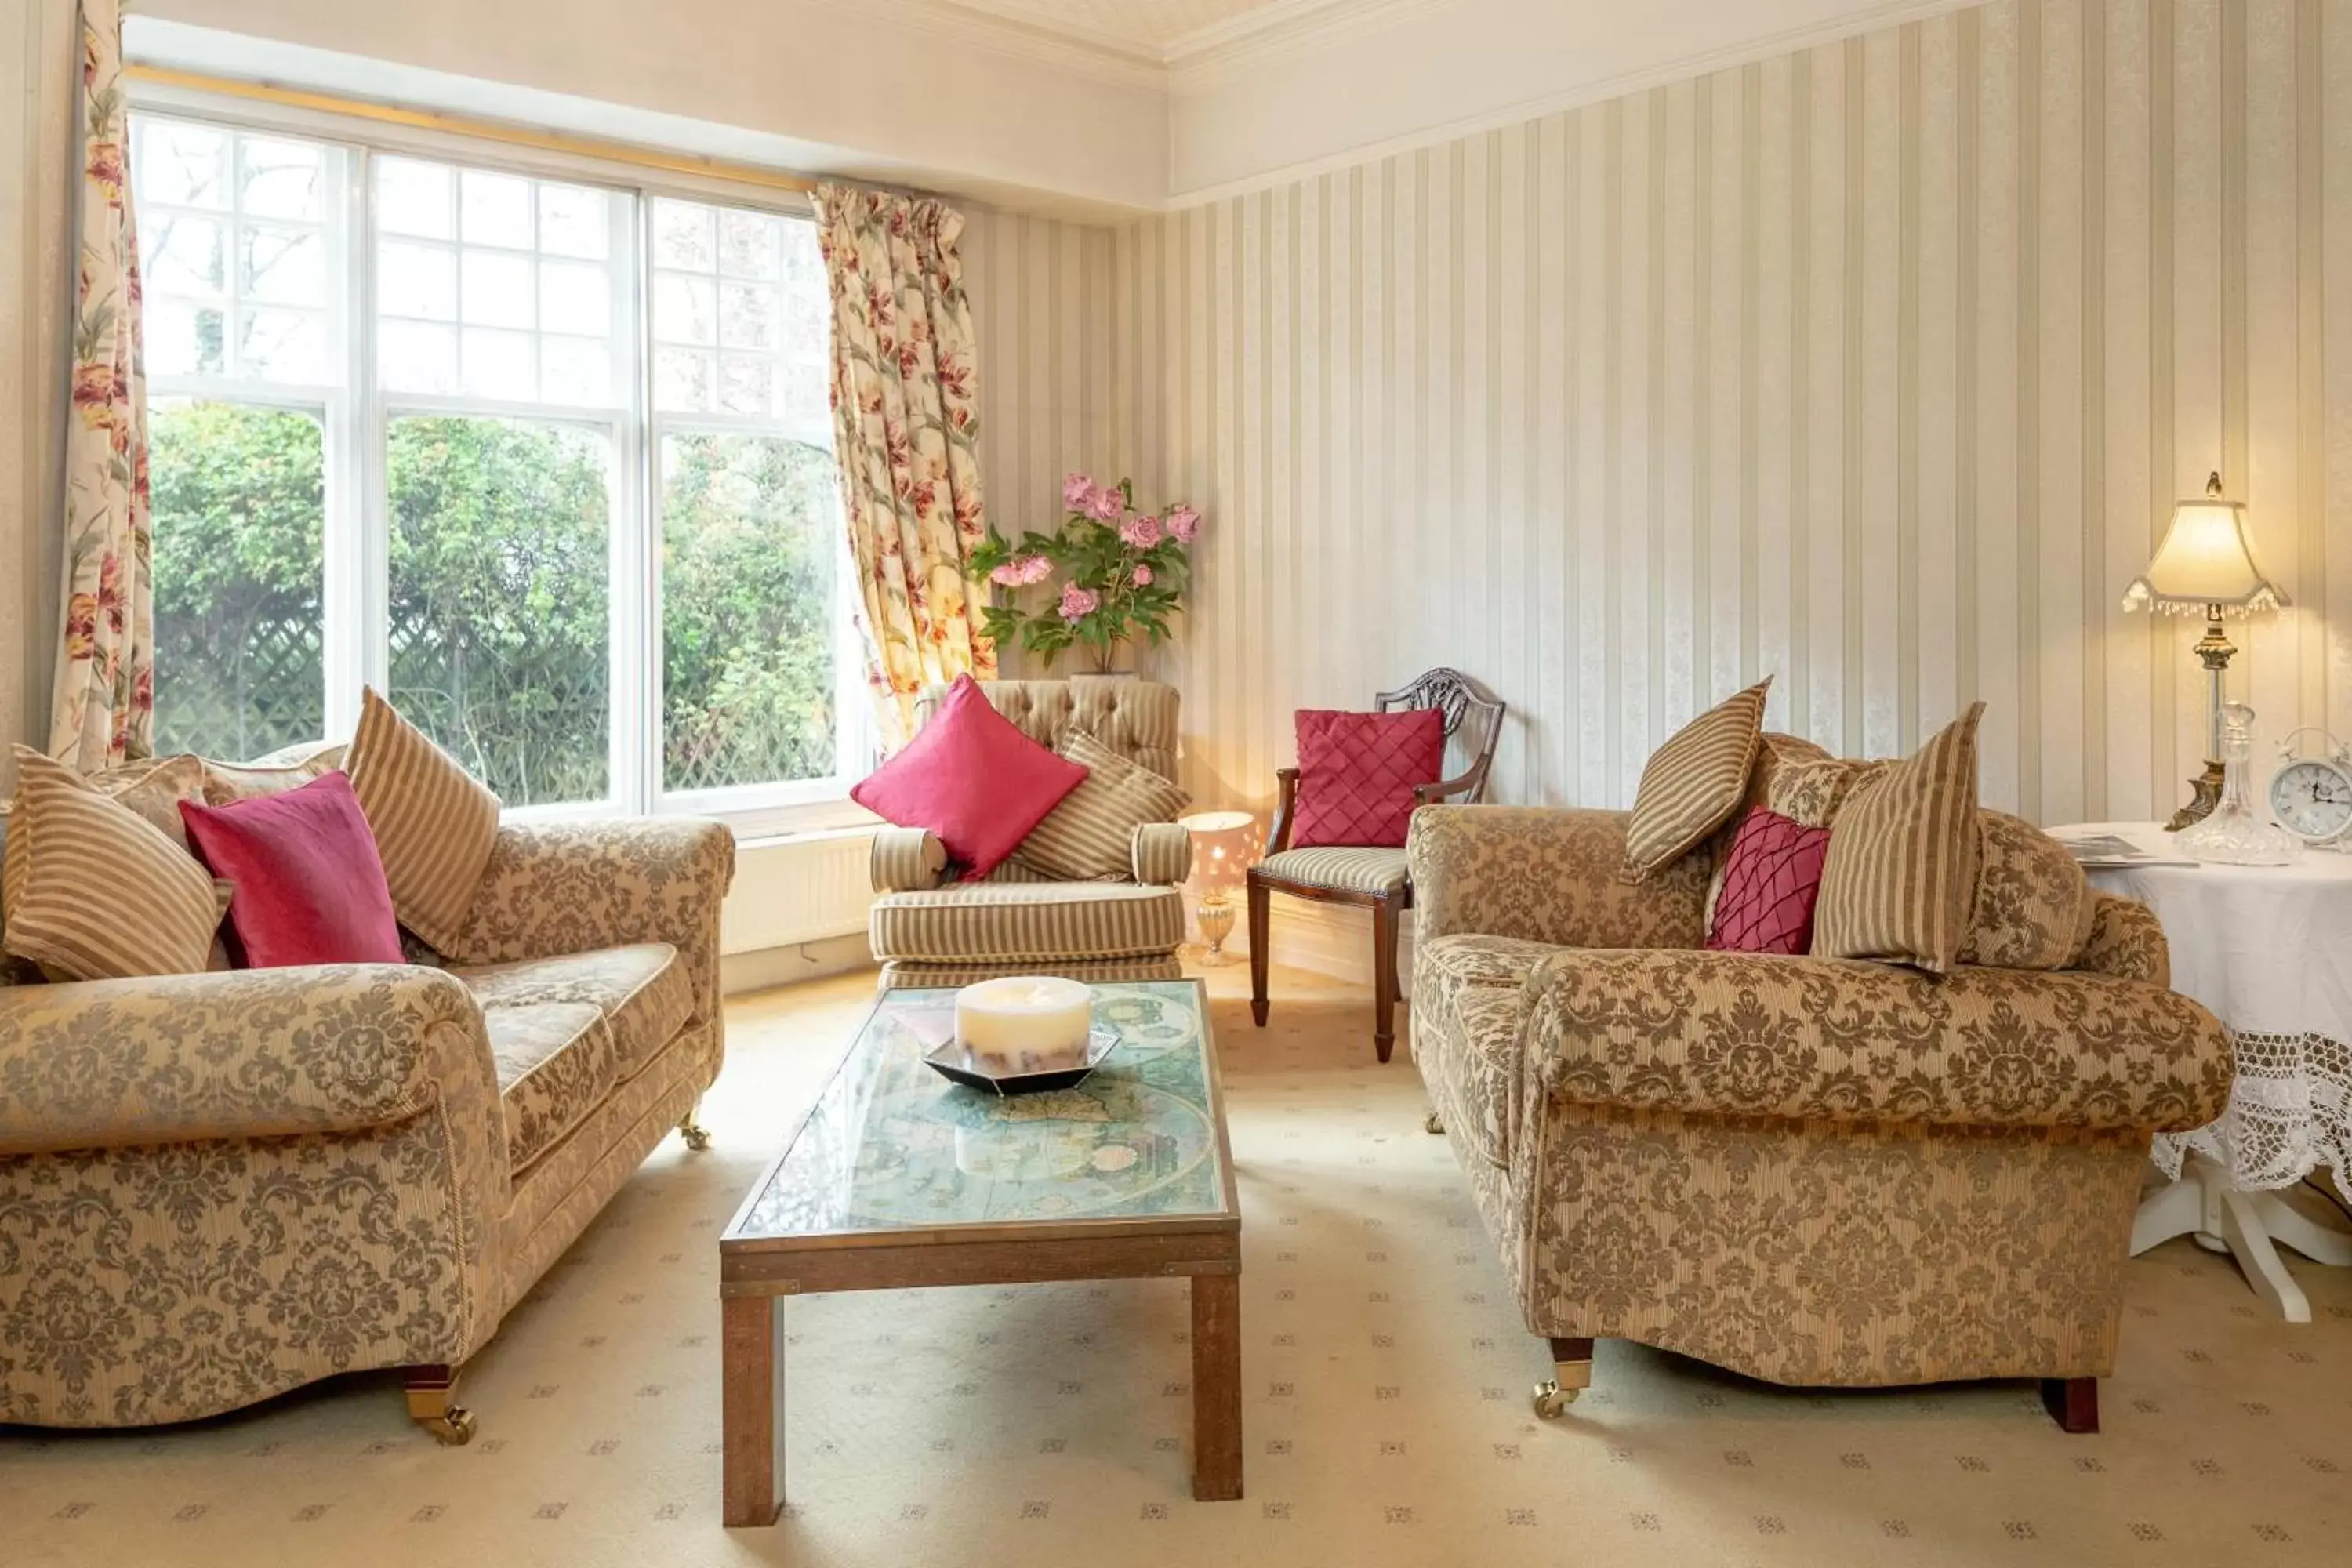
(309, 885)
(1771, 880)
(1357, 773)
(972, 778)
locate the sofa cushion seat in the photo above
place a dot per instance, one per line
(1472, 985)
(642, 992)
(1339, 868)
(1023, 922)
(555, 1066)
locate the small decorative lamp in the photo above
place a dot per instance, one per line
(2206, 566)
(1225, 847)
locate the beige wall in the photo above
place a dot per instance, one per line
(1877, 366)
(38, 47)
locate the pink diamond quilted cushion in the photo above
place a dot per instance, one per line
(1357, 773)
(972, 778)
(1770, 882)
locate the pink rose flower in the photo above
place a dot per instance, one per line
(1143, 533)
(1079, 602)
(1143, 576)
(1078, 491)
(1007, 576)
(1185, 524)
(1106, 506)
(1036, 569)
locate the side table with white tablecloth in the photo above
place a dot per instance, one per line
(2268, 950)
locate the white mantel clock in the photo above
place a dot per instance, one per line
(2311, 797)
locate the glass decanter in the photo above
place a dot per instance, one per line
(2234, 833)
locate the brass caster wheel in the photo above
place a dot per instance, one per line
(1433, 1124)
(697, 1136)
(453, 1428)
(1552, 1401)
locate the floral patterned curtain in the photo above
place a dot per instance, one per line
(104, 708)
(906, 426)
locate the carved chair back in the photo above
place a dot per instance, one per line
(1474, 724)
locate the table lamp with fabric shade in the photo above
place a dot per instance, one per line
(1225, 847)
(2206, 566)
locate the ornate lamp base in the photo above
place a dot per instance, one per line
(2208, 788)
(1216, 918)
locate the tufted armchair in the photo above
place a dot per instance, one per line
(1811, 1171)
(1015, 922)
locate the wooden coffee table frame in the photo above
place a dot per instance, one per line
(756, 1272)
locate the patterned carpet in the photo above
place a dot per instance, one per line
(1385, 1383)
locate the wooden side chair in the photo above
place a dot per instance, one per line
(1374, 878)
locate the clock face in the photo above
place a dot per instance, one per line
(2312, 800)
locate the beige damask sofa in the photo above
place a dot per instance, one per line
(217, 1187)
(1810, 1171)
(928, 931)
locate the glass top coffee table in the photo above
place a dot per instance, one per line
(896, 1177)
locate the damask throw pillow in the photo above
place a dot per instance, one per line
(1900, 878)
(106, 894)
(1089, 837)
(434, 824)
(1357, 773)
(972, 778)
(1769, 885)
(1692, 783)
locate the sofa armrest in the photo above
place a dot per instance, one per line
(248, 1054)
(1541, 875)
(1725, 1034)
(1160, 854)
(560, 887)
(2127, 941)
(906, 860)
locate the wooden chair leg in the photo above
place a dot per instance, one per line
(1571, 1375)
(1384, 980)
(1261, 916)
(2072, 1403)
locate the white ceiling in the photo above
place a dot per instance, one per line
(1160, 26)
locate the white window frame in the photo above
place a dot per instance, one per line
(356, 417)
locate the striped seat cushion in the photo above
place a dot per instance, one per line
(1089, 837)
(1901, 877)
(1341, 870)
(997, 922)
(1692, 783)
(104, 894)
(434, 823)
(916, 974)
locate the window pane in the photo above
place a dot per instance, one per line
(575, 220)
(747, 245)
(499, 534)
(183, 339)
(497, 290)
(576, 371)
(498, 365)
(414, 280)
(412, 197)
(746, 316)
(682, 379)
(497, 209)
(416, 357)
(575, 299)
(283, 345)
(749, 544)
(182, 256)
(282, 265)
(684, 309)
(682, 233)
(283, 179)
(239, 530)
(743, 384)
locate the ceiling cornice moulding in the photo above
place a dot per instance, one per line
(1085, 52)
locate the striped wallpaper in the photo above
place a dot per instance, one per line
(1875, 367)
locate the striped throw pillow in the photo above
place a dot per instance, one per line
(106, 895)
(1901, 877)
(153, 789)
(434, 824)
(1088, 838)
(1692, 783)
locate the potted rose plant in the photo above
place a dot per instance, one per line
(1122, 574)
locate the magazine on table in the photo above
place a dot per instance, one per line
(2113, 852)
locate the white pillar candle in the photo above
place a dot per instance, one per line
(1025, 1022)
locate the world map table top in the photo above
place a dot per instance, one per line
(893, 1153)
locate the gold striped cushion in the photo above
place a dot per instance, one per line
(434, 823)
(1693, 782)
(1090, 835)
(153, 789)
(106, 894)
(905, 974)
(1339, 868)
(1900, 878)
(1162, 852)
(1000, 922)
